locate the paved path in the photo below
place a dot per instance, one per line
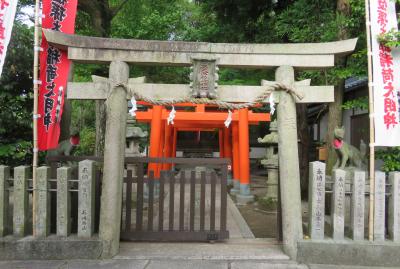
(234, 254)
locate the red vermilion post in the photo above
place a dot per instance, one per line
(236, 162)
(227, 143)
(155, 135)
(167, 145)
(244, 195)
(221, 143)
(161, 149)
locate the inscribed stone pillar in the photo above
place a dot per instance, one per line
(289, 165)
(338, 204)
(42, 210)
(379, 206)
(114, 154)
(394, 207)
(20, 212)
(316, 200)
(86, 198)
(63, 201)
(4, 199)
(357, 205)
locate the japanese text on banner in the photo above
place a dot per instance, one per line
(59, 15)
(7, 14)
(386, 75)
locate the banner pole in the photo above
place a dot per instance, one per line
(371, 127)
(35, 109)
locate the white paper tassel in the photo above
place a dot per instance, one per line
(272, 104)
(134, 107)
(228, 120)
(171, 116)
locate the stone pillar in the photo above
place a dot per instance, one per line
(289, 173)
(236, 162)
(394, 207)
(86, 193)
(42, 210)
(244, 195)
(357, 205)
(316, 201)
(20, 214)
(4, 200)
(338, 203)
(114, 154)
(63, 201)
(379, 207)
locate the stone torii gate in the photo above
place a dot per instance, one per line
(120, 52)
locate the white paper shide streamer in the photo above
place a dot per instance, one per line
(171, 116)
(228, 120)
(133, 110)
(272, 104)
(7, 14)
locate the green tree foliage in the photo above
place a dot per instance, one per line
(16, 98)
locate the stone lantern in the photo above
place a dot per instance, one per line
(271, 162)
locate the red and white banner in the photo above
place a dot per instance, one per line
(59, 15)
(7, 15)
(386, 75)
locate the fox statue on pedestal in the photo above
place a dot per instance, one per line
(347, 154)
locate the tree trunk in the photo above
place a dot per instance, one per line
(304, 146)
(101, 15)
(335, 108)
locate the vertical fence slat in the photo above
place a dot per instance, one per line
(20, 212)
(150, 211)
(63, 201)
(42, 210)
(128, 201)
(379, 207)
(202, 200)
(192, 199)
(4, 200)
(161, 202)
(86, 193)
(394, 207)
(224, 193)
(357, 205)
(338, 204)
(139, 202)
(316, 192)
(182, 202)
(171, 200)
(213, 197)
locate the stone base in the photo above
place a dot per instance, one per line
(236, 187)
(349, 252)
(244, 199)
(50, 248)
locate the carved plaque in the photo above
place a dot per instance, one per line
(204, 78)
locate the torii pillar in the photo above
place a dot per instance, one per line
(289, 173)
(244, 196)
(114, 155)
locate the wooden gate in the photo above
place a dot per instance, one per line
(186, 206)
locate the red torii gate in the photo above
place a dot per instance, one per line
(233, 141)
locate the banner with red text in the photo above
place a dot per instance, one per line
(386, 75)
(7, 15)
(59, 15)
